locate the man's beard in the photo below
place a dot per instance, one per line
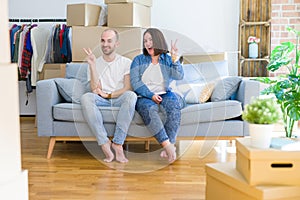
(107, 51)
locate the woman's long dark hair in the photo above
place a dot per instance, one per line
(159, 43)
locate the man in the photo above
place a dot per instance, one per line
(110, 85)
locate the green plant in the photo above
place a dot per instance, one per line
(262, 111)
(286, 88)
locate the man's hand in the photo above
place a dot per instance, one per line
(91, 58)
(101, 93)
(156, 98)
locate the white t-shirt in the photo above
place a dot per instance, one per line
(153, 78)
(111, 74)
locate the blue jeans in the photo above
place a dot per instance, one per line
(162, 128)
(93, 116)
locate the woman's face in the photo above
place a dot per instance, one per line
(148, 44)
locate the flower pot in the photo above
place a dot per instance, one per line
(253, 50)
(261, 135)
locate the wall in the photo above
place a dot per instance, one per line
(284, 13)
(212, 25)
(13, 180)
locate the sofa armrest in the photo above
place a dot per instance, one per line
(47, 95)
(247, 90)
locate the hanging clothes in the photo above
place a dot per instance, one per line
(56, 46)
(13, 31)
(39, 42)
(26, 54)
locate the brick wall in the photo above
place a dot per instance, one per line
(284, 13)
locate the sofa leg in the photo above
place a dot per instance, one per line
(147, 145)
(51, 147)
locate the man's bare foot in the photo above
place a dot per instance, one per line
(163, 154)
(109, 156)
(120, 157)
(169, 152)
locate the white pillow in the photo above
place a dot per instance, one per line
(194, 93)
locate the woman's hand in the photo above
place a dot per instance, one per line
(156, 98)
(91, 58)
(174, 51)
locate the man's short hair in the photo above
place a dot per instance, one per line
(113, 30)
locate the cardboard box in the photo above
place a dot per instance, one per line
(53, 70)
(224, 182)
(270, 166)
(128, 15)
(142, 2)
(89, 37)
(83, 14)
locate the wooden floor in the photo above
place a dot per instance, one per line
(76, 171)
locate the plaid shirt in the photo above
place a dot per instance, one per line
(25, 68)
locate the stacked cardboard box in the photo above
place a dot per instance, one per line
(256, 174)
(270, 166)
(53, 70)
(132, 13)
(128, 17)
(83, 37)
(83, 14)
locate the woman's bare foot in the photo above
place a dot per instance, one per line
(120, 157)
(109, 156)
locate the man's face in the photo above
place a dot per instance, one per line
(108, 42)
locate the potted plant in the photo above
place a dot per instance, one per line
(286, 88)
(261, 114)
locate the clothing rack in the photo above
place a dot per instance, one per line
(37, 20)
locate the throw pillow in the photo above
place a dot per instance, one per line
(225, 88)
(199, 93)
(194, 93)
(70, 89)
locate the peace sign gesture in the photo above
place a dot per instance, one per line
(91, 58)
(174, 50)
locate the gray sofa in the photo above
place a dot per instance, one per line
(59, 115)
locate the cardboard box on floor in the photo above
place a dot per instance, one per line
(142, 2)
(128, 15)
(53, 70)
(83, 14)
(89, 37)
(224, 182)
(270, 166)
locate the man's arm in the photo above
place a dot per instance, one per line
(127, 86)
(95, 82)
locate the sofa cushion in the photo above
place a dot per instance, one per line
(70, 89)
(225, 88)
(78, 71)
(210, 111)
(204, 72)
(193, 113)
(72, 112)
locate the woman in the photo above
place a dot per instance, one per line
(150, 76)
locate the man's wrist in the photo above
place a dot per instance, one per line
(109, 96)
